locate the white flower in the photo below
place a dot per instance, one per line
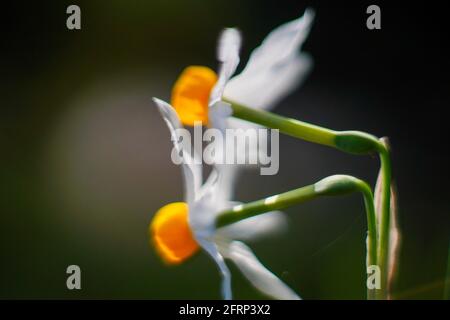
(274, 69)
(175, 238)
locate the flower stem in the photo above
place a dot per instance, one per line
(291, 127)
(276, 202)
(384, 222)
(354, 142)
(330, 186)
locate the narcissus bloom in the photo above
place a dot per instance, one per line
(274, 69)
(179, 229)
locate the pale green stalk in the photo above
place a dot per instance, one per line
(384, 223)
(354, 142)
(330, 186)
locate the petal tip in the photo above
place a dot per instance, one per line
(229, 43)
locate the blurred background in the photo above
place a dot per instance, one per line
(85, 158)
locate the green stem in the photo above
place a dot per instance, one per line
(330, 186)
(276, 202)
(354, 142)
(385, 218)
(291, 127)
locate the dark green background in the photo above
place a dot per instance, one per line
(85, 157)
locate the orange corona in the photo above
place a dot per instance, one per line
(171, 233)
(190, 94)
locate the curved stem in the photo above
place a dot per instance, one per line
(354, 142)
(330, 186)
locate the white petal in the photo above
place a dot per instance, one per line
(210, 185)
(220, 118)
(275, 68)
(256, 144)
(218, 114)
(212, 198)
(282, 42)
(264, 89)
(211, 249)
(228, 54)
(219, 186)
(256, 227)
(259, 276)
(202, 214)
(192, 173)
(226, 184)
(216, 193)
(226, 174)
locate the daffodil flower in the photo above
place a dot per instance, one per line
(274, 69)
(179, 230)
